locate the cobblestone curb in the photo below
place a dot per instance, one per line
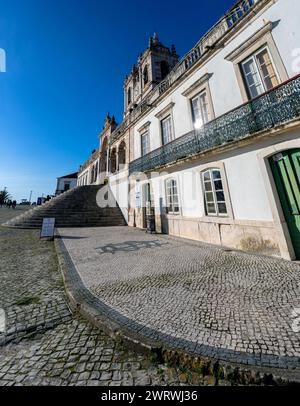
(235, 367)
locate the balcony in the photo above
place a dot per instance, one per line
(276, 107)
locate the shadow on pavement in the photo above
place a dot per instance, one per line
(130, 246)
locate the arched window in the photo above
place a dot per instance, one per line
(103, 159)
(129, 97)
(172, 197)
(113, 160)
(92, 175)
(145, 75)
(121, 155)
(214, 195)
(164, 69)
(94, 180)
(104, 145)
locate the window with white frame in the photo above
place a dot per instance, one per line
(200, 109)
(145, 143)
(214, 194)
(259, 73)
(166, 130)
(172, 196)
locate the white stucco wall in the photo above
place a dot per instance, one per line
(119, 187)
(247, 190)
(62, 181)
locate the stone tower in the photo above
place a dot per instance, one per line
(151, 68)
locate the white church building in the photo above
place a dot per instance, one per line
(209, 145)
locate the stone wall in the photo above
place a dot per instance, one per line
(259, 237)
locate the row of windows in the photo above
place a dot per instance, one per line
(259, 76)
(214, 195)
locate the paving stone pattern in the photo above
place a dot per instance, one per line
(226, 304)
(44, 343)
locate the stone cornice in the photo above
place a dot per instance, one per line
(200, 82)
(267, 28)
(144, 127)
(166, 110)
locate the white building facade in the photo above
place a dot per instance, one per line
(210, 145)
(65, 183)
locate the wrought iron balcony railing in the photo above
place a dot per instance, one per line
(274, 108)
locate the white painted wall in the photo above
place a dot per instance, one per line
(119, 187)
(62, 181)
(247, 190)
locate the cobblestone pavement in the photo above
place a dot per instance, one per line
(7, 214)
(228, 304)
(43, 343)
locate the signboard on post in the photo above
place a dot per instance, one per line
(138, 204)
(48, 228)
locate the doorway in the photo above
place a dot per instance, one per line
(148, 206)
(286, 171)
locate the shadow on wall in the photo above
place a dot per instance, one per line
(130, 246)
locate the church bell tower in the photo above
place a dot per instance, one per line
(152, 67)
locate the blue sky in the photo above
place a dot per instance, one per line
(66, 62)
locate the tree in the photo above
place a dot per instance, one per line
(4, 196)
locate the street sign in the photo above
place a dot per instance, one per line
(48, 227)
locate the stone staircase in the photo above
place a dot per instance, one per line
(75, 208)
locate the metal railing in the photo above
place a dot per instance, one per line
(276, 107)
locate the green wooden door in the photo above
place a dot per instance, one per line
(286, 171)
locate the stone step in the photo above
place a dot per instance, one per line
(58, 223)
(72, 219)
(71, 213)
(75, 208)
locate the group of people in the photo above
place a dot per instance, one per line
(11, 204)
